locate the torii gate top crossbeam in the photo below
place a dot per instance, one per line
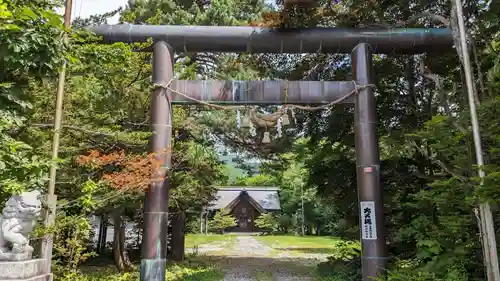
(245, 39)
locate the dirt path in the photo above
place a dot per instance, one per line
(250, 260)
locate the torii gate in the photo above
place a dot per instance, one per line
(361, 43)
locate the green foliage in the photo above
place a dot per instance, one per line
(20, 167)
(267, 221)
(182, 12)
(174, 272)
(221, 221)
(73, 234)
(344, 264)
(257, 180)
(427, 170)
(30, 47)
(30, 43)
(193, 225)
(198, 175)
(448, 208)
(31, 51)
(410, 274)
(431, 190)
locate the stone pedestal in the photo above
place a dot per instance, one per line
(28, 270)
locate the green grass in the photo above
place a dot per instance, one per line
(193, 240)
(300, 244)
(187, 271)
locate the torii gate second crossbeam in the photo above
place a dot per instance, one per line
(361, 43)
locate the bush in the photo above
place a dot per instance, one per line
(267, 222)
(185, 272)
(193, 225)
(221, 221)
(418, 274)
(341, 269)
(344, 264)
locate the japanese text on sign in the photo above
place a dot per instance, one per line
(368, 220)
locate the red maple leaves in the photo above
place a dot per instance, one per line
(126, 171)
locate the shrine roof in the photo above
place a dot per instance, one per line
(266, 197)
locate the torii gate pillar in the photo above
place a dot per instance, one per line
(372, 224)
(154, 243)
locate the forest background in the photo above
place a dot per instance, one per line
(427, 155)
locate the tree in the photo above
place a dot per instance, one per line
(267, 221)
(427, 170)
(222, 221)
(424, 170)
(30, 51)
(257, 180)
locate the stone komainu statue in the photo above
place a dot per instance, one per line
(17, 221)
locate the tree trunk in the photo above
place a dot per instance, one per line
(201, 222)
(120, 257)
(177, 246)
(103, 231)
(124, 252)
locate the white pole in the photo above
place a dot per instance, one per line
(487, 225)
(206, 223)
(302, 207)
(201, 221)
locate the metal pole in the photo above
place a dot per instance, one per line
(374, 249)
(487, 224)
(46, 247)
(154, 246)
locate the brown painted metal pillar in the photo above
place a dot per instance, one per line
(372, 223)
(154, 245)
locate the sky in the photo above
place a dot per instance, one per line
(86, 8)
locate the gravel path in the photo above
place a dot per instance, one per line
(250, 260)
(249, 246)
(209, 248)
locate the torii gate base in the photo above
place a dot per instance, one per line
(248, 39)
